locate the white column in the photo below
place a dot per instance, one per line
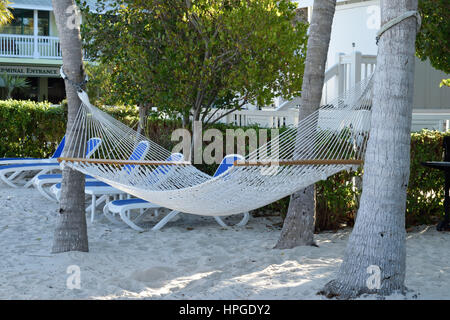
(355, 72)
(340, 79)
(36, 32)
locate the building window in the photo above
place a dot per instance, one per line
(23, 23)
(44, 23)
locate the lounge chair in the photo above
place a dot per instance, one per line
(97, 188)
(52, 159)
(123, 207)
(12, 174)
(41, 180)
(104, 191)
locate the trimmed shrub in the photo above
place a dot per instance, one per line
(30, 129)
(336, 201)
(424, 204)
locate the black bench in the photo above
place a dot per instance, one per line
(444, 166)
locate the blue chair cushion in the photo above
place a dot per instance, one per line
(49, 176)
(54, 176)
(60, 149)
(138, 154)
(128, 201)
(29, 165)
(89, 184)
(7, 159)
(96, 184)
(226, 164)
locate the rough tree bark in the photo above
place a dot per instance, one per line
(143, 118)
(378, 238)
(71, 231)
(298, 227)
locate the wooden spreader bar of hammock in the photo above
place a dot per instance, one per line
(302, 162)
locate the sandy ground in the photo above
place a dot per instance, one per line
(191, 258)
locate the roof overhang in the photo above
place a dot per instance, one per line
(43, 6)
(31, 7)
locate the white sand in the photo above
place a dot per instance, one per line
(207, 262)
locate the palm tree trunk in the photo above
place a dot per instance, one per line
(298, 227)
(378, 238)
(71, 231)
(143, 118)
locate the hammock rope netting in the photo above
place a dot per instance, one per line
(330, 140)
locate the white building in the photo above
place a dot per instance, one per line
(30, 48)
(355, 25)
(351, 56)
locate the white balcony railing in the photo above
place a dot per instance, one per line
(348, 70)
(263, 118)
(18, 46)
(421, 119)
(49, 47)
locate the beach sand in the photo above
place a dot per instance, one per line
(191, 258)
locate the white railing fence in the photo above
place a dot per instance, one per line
(49, 47)
(263, 118)
(36, 47)
(18, 46)
(421, 119)
(432, 119)
(349, 70)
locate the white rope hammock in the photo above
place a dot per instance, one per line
(328, 141)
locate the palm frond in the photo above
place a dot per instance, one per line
(5, 14)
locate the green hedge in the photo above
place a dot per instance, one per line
(30, 129)
(34, 130)
(426, 186)
(425, 197)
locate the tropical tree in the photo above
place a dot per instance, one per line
(445, 82)
(375, 257)
(5, 14)
(71, 230)
(433, 40)
(298, 227)
(194, 59)
(12, 83)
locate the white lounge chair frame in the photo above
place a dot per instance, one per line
(18, 171)
(100, 194)
(110, 209)
(40, 184)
